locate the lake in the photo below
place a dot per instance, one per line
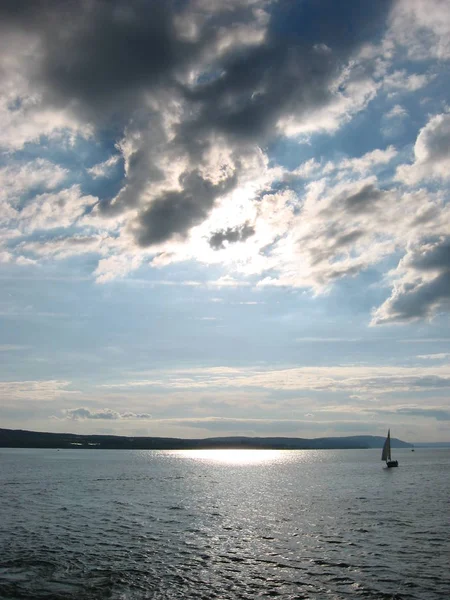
(332, 524)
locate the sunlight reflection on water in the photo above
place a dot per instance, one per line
(234, 456)
(228, 524)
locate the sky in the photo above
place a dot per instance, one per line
(225, 217)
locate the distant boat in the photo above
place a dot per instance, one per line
(412, 449)
(386, 454)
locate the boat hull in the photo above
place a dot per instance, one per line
(392, 463)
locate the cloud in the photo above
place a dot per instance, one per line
(50, 211)
(424, 340)
(115, 266)
(396, 112)
(231, 235)
(434, 413)
(80, 414)
(103, 169)
(61, 247)
(34, 391)
(348, 379)
(106, 72)
(176, 212)
(193, 91)
(29, 312)
(223, 425)
(431, 153)
(12, 347)
(430, 412)
(437, 356)
(369, 160)
(401, 81)
(328, 340)
(189, 97)
(291, 83)
(228, 281)
(15, 179)
(345, 167)
(440, 414)
(422, 27)
(24, 115)
(343, 227)
(421, 284)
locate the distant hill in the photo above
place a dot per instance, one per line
(17, 438)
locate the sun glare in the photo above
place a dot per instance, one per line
(233, 457)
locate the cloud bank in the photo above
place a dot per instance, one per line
(186, 99)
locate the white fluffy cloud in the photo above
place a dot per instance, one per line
(19, 178)
(104, 168)
(431, 153)
(422, 27)
(50, 211)
(401, 81)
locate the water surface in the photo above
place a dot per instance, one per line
(119, 524)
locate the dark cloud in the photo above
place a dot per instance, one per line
(99, 56)
(419, 301)
(363, 200)
(231, 235)
(289, 75)
(349, 239)
(107, 61)
(338, 245)
(259, 86)
(176, 212)
(438, 257)
(112, 52)
(420, 297)
(142, 168)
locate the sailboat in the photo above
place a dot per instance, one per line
(386, 454)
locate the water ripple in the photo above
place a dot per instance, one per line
(126, 525)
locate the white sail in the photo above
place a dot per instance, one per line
(386, 454)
